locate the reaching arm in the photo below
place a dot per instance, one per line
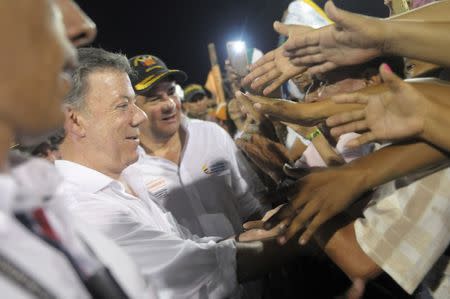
(414, 109)
(313, 201)
(355, 39)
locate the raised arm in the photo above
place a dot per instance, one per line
(355, 39)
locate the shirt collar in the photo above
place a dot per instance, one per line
(87, 179)
(185, 122)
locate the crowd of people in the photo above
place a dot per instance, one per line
(324, 175)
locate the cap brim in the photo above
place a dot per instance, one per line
(193, 94)
(177, 75)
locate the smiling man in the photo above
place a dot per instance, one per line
(116, 121)
(192, 167)
(101, 126)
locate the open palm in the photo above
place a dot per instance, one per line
(396, 113)
(353, 39)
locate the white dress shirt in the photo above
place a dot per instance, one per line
(178, 264)
(206, 192)
(33, 184)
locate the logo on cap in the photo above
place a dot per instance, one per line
(146, 60)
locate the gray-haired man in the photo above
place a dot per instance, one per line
(101, 140)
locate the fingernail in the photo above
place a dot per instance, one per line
(257, 106)
(302, 241)
(387, 67)
(282, 240)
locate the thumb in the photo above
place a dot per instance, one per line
(341, 17)
(281, 28)
(389, 77)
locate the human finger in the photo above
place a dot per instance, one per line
(356, 126)
(346, 117)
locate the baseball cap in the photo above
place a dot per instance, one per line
(149, 70)
(192, 90)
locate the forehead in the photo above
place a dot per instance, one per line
(109, 83)
(163, 86)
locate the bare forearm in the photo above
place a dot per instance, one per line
(342, 248)
(421, 34)
(437, 124)
(396, 161)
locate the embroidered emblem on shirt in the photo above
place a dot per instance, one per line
(214, 168)
(158, 188)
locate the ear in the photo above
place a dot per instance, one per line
(74, 123)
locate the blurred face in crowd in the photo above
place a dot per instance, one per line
(110, 120)
(197, 107)
(80, 29)
(36, 62)
(162, 107)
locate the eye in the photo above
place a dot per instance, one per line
(123, 105)
(150, 100)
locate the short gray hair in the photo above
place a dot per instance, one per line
(91, 60)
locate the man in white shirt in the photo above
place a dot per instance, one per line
(191, 167)
(37, 232)
(102, 136)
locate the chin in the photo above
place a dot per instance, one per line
(132, 159)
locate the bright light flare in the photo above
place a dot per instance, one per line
(238, 46)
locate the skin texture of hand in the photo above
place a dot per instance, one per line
(267, 155)
(352, 39)
(274, 68)
(320, 196)
(255, 229)
(299, 113)
(395, 114)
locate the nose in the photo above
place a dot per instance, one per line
(139, 116)
(169, 103)
(80, 29)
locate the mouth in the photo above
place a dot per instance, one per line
(133, 138)
(170, 117)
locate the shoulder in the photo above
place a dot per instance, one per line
(208, 129)
(90, 206)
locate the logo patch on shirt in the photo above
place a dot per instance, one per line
(214, 168)
(158, 188)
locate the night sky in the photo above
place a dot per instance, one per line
(179, 31)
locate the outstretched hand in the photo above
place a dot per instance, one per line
(352, 39)
(255, 229)
(299, 113)
(319, 197)
(397, 113)
(274, 68)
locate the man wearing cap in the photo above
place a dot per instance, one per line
(191, 167)
(102, 135)
(196, 103)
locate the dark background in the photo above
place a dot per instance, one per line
(179, 31)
